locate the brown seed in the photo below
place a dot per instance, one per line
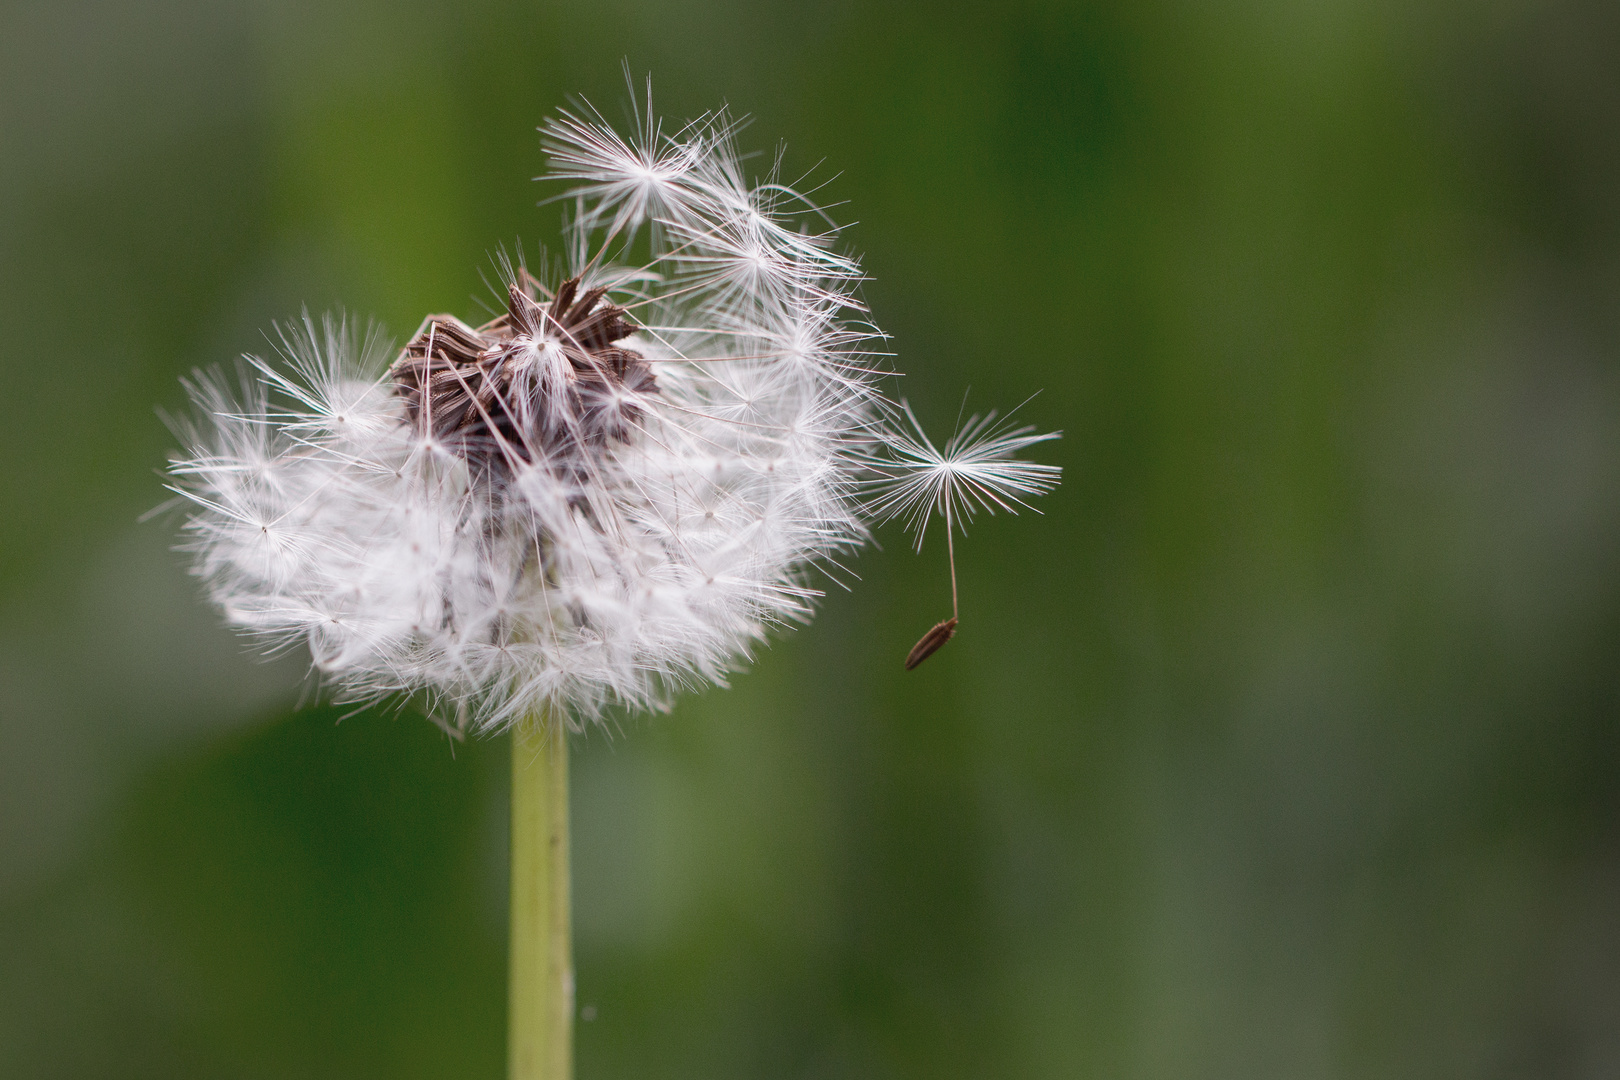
(930, 643)
(471, 387)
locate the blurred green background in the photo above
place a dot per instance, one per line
(1283, 745)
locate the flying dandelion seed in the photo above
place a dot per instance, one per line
(976, 471)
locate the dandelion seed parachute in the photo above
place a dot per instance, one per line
(914, 480)
(557, 510)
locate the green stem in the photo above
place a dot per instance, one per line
(540, 1003)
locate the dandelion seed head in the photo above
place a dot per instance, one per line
(609, 492)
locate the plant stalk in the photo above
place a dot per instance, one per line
(540, 993)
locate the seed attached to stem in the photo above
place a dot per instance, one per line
(931, 642)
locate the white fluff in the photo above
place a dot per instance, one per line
(322, 516)
(590, 565)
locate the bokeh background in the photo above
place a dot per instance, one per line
(1284, 745)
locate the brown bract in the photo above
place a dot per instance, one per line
(544, 381)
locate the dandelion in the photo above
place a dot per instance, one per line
(976, 471)
(610, 491)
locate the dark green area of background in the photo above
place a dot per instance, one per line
(1283, 745)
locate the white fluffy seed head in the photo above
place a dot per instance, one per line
(572, 573)
(610, 492)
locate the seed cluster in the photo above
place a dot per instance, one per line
(545, 381)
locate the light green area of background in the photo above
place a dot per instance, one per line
(1283, 746)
